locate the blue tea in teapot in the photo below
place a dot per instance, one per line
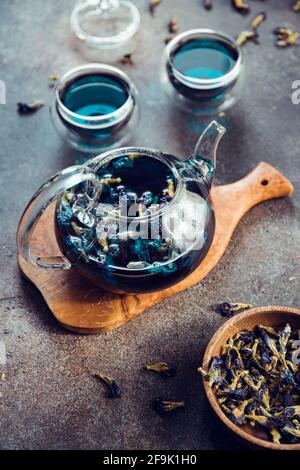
(133, 220)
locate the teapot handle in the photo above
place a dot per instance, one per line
(56, 185)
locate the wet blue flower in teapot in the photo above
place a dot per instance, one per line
(132, 220)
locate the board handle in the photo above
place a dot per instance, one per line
(264, 182)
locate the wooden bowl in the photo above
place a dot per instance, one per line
(268, 316)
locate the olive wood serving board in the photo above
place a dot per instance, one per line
(82, 307)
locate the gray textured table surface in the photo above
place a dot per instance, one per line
(49, 398)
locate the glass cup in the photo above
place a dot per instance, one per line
(203, 71)
(95, 107)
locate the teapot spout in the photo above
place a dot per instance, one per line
(204, 156)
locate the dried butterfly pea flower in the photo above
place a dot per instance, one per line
(29, 108)
(246, 36)
(281, 30)
(227, 353)
(164, 369)
(163, 406)
(289, 399)
(65, 216)
(104, 243)
(255, 345)
(292, 411)
(241, 6)
(170, 191)
(77, 230)
(258, 20)
(232, 356)
(115, 391)
(273, 366)
(236, 379)
(152, 5)
(268, 329)
(216, 371)
(247, 353)
(127, 60)
(208, 4)
(266, 360)
(67, 196)
(238, 414)
(269, 342)
(109, 180)
(226, 409)
(276, 436)
(173, 25)
(264, 398)
(285, 37)
(168, 39)
(287, 377)
(283, 339)
(52, 80)
(296, 7)
(293, 367)
(265, 412)
(228, 309)
(251, 384)
(134, 156)
(245, 337)
(296, 423)
(291, 431)
(262, 420)
(237, 394)
(222, 400)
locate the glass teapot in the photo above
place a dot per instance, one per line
(132, 220)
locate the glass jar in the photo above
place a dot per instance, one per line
(203, 71)
(95, 107)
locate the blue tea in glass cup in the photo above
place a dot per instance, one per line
(95, 107)
(203, 71)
